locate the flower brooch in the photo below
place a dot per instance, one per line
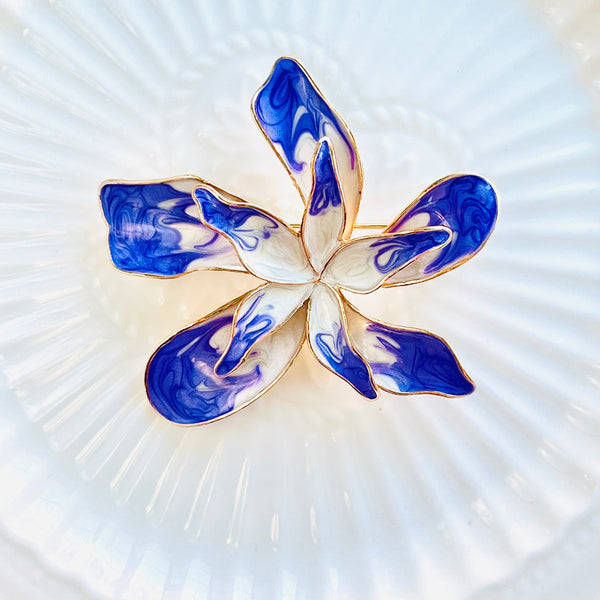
(229, 358)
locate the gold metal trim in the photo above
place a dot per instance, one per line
(465, 258)
(347, 303)
(347, 227)
(348, 230)
(264, 336)
(356, 226)
(210, 187)
(211, 315)
(390, 235)
(154, 181)
(350, 342)
(306, 208)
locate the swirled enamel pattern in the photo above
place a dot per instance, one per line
(181, 381)
(323, 222)
(294, 115)
(466, 204)
(155, 229)
(228, 359)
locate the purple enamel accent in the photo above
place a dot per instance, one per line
(181, 382)
(395, 251)
(289, 105)
(248, 329)
(419, 362)
(230, 219)
(142, 236)
(467, 205)
(326, 191)
(341, 357)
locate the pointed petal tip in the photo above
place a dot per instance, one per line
(364, 264)
(463, 388)
(265, 244)
(289, 109)
(323, 162)
(356, 372)
(330, 342)
(323, 149)
(371, 393)
(441, 237)
(205, 199)
(407, 361)
(224, 368)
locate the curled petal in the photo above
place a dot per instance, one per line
(259, 314)
(467, 205)
(294, 116)
(331, 344)
(407, 361)
(363, 264)
(266, 245)
(155, 229)
(181, 382)
(324, 217)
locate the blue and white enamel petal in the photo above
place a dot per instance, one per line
(324, 217)
(407, 361)
(467, 205)
(181, 382)
(294, 116)
(363, 264)
(266, 246)
(155, 229)
(330, 342)
(262, 311)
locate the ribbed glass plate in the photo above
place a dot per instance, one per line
(310, 493)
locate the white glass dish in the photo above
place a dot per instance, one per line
(310, 492)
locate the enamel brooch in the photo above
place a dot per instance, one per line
(229, 358)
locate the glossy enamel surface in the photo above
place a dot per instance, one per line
(331, 344)
(202, 373)
(311, 492)
(465, 204)
(265, 244)
(325, 217)
(294, 116)
(155, 229)
(407, 361)
(363, 264)
(262, 311)
(181, 381)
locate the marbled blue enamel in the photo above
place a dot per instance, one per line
(181, 383)
(249, 328)
(395, 251)
(326, 191)
(142, 238)
(342, 358)
(289, 105)
(230, 219)
(420, 362)
(467, 205)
